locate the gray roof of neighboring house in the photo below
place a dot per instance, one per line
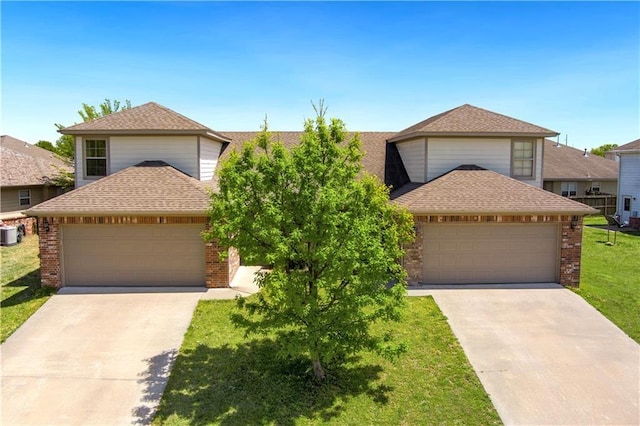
(470, 120)
(563, 162)
(148, 188)
(147, 119)
(473, 190)
(373, 144)
(633, 146)
(24, 164)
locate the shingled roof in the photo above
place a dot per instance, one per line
(473, 190)
(631, 147)
(147, 119)
(469, 120)
(24, 164)
(563, 162)
(373, 145)
(148, 188)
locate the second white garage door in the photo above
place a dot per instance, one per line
(133, 255)
(490, 253)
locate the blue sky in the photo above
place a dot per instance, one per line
(569, 66)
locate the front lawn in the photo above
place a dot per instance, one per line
(610, 275)
(21, 293)
(221, 377)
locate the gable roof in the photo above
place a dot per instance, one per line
(473, 190)
(148, 119)
(24, 164)
(563, 162)
(148, 188)
(470, 120)
(373, 144)
(633, 146)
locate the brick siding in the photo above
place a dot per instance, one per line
(570, 244)
(218, 272)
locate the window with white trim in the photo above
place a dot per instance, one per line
(24, 197)
(95, 152)
(569, 189)
(595, 187)
(523, 157)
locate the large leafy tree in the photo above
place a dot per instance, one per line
(603, 149)
(328, 233)
(65, 143)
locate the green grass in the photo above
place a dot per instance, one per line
(220, 377)
(20, 279)
(610, 275)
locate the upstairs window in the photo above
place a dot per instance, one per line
(24, 197)
(569, 189)
(95, 152)
(523, 165)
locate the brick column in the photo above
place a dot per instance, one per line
(219, 273)
(570, 252)
(50, 252)
(413, 256)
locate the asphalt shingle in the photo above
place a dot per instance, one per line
(149, 118)
(472, 190)
(470, 120)
(150, 187)
(563, 162)
(24, 164)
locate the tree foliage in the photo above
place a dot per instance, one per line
(603, 149)
(328, 233)
(65, 145)
(46, 145)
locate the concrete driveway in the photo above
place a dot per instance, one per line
(100, 356)
(94, 358)
(544, 355)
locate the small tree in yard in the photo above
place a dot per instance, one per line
(328, 233)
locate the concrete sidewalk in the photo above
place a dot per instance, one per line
(544, 355)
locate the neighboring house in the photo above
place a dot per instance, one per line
(25, 181)
(143, 176)
(629, 183)
(573, 172)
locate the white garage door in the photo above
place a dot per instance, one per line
(490, 253)
(133, 255)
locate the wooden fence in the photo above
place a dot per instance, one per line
(607, 204)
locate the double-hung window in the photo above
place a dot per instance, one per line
(95, 151)
(24, 197)
(523, 159)
(569, 189)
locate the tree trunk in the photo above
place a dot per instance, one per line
(318, 370)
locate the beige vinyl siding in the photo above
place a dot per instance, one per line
(491, 253)
(413, 153)
(606, 186)
(10, 201)
(209, 153)
(629, 183)
(79, 164)
(446, 154)
(180, 152)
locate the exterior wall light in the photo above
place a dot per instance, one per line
(574, 222)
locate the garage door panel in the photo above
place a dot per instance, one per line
(490, 253)
(133, 255)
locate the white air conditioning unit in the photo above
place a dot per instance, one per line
(8, 235)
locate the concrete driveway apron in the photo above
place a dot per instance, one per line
(98, 359)
(544, 355)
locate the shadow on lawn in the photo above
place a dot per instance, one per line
(32, 290)
(248, 384)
